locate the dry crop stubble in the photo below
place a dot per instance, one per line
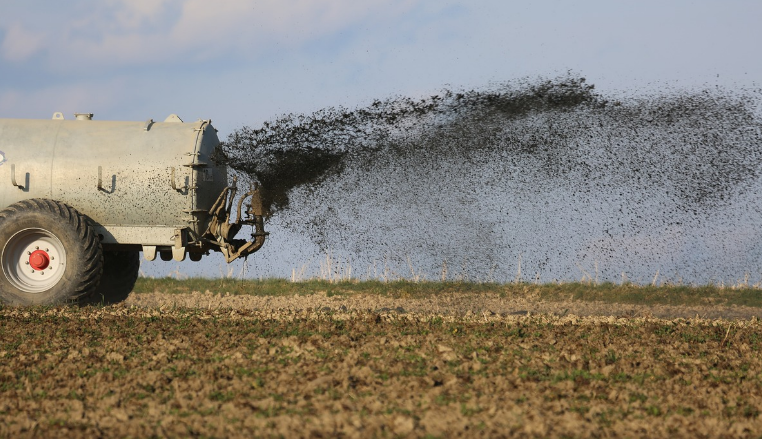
(127, 371)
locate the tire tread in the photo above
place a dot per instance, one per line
(92, 256)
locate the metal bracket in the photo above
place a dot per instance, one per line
(180, 238)
(173, 184)
(13, 178)
(100, 182)
(149, 252)
(178, 254)
(194, 214)
(181, 241)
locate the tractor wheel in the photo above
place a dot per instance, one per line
(120, 271)
(50, 254)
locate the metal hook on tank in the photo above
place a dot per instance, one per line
(173, 184)
(100, 182)
(13, 178)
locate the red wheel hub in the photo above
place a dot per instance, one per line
(39, 260)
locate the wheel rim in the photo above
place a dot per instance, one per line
(33, 260)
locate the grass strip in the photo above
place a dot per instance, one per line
(675, 295)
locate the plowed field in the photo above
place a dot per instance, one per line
(180, 371)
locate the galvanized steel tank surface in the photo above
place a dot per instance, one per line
(117, 173)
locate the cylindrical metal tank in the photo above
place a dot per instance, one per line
(136, 180)
(80, 198)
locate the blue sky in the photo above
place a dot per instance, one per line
(242, 62)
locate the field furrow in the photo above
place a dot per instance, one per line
(177, 371)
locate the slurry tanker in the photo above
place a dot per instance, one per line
(80, 199)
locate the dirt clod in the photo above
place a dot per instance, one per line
(174, 368)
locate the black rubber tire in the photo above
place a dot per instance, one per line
(120, 271)
(78, 269)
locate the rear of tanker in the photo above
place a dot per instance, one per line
(80, 199)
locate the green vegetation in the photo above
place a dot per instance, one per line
(586, 292)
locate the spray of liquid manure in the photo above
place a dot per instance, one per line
(531, 179)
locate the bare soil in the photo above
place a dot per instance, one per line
(208, 365)
(456, 304)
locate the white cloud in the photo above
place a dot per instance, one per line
(134, 14)
(267, 56)
(120, 33)
(248, 28)
(21, 43)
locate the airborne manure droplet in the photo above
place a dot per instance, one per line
(573, 184)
